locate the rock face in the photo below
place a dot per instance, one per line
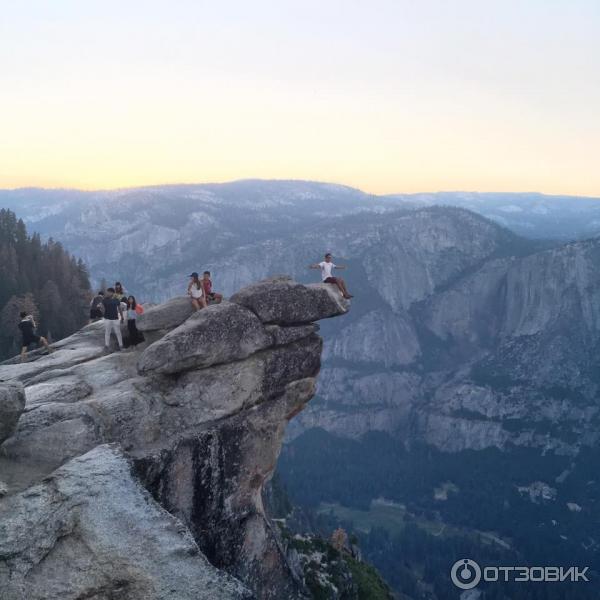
(167, 315)
(173, 507)
(89, 530)
(12, 403)
(222, 333)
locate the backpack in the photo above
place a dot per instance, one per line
(139, 309)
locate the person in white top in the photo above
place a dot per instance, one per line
(196, 291)
(327, 276)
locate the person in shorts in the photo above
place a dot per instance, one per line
(211, 297)
(27, 327)
(327, 276)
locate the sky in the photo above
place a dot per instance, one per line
(385, 95)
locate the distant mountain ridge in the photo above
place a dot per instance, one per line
(528, 213)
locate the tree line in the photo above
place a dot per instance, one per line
(41, 278)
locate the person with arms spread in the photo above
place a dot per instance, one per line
(327, 267)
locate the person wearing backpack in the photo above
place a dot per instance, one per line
(96, 307)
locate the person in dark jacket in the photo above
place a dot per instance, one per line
(27, 327)
(113, 313)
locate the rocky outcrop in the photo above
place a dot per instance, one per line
(195, 418)
(166, 316)
(89, 530)
(284, 302)
(222, 333)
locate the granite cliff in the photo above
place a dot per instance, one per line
(140, 474)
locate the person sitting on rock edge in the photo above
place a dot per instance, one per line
(211, 297)
(113, 317)
(196, 291)
(27, 327)
(327, 267)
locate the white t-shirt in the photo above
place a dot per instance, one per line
(326, 269)
(197, 292)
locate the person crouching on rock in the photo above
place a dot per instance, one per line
(327, 267)
(27, 327)
(211, 297)
(113, 317)
(196, 291)
(135, 337)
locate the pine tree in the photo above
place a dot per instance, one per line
(41, 279)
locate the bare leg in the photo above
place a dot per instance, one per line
(195, 304)
(23, 353)
(343, 288)
(45, 343)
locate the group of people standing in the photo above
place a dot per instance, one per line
(115, 306)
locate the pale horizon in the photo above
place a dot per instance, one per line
(288, 179)
(394, 98)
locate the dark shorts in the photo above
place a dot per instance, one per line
(95, 313)
(31, 339)
(330, 280)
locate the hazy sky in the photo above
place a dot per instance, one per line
(385, 95)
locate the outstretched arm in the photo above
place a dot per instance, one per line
(315, 266)
(340, 266)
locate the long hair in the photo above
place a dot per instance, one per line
(197, 282)
(131, 303)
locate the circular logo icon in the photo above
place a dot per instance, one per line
(465, 573)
